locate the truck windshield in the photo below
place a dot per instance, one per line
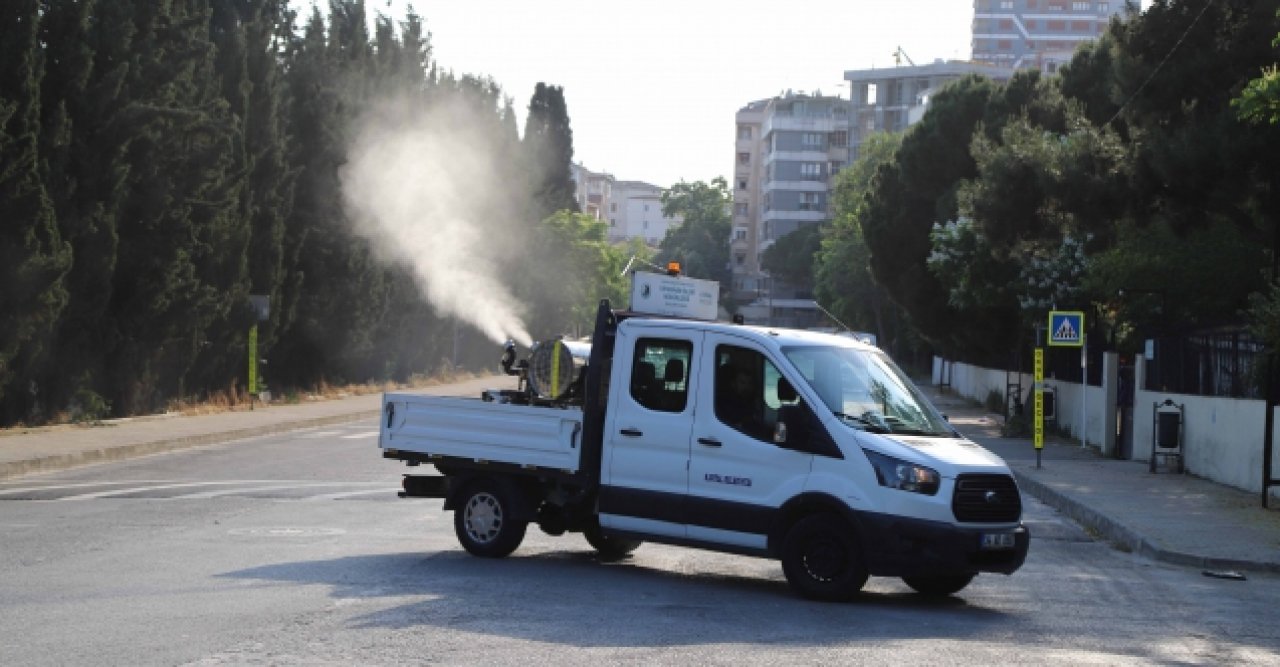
(867, 390)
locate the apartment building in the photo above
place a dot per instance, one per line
(635, 211)
(592, 190)
(787, 153)
(893, 98)
(1039, 34)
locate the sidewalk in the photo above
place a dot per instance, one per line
(1178, 519)
(1173, 518)
(24, 451)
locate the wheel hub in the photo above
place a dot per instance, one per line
(483, 517)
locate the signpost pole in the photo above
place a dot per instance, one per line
(1039, 401)
(1084, 390)
(253, 364)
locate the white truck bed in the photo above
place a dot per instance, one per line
(478, 430)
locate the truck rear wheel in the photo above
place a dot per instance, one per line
(609, 548)
(483, 521)
(821, 559)
(938, 585)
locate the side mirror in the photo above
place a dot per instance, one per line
(786, 392)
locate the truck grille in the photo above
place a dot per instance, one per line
(986, 499)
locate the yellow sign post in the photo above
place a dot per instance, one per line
(253, 364)
(1039, 410)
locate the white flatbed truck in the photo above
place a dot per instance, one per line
(809, 448)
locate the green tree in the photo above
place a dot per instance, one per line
(701, 242)
(917, 190)
(181, 262)
(89, 54)
(548, 151)
(586, 269)
(843, 281)
(34, 258)
(790, 258)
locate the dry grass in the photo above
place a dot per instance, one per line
(234, 399)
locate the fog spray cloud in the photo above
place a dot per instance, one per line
(421, 185)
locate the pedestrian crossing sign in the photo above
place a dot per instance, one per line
(1066, 328)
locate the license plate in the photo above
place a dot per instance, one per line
(993, 541)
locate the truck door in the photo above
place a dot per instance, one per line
(645, 474)
(738, 477)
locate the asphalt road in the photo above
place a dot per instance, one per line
(294, 549)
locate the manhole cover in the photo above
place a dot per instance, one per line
(287, 532)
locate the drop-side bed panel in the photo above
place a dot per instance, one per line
(470, 428)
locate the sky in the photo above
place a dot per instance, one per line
(652, 87)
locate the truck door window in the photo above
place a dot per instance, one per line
(660, 374)
(746, 391)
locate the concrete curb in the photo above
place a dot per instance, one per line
(1127, 539)
(119, 452)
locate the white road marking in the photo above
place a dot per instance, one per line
(363, 434)
(260, 489)
(76, 485)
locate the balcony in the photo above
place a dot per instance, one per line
(805, 123)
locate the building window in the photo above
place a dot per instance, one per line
(812, 139)
(840, 138)
(1103, 7)
(739, 235)
(1031, 4)
(1080, 26)
(744, 158)
(1057, 26)
(1006, 4)
(809, 201)
(740, 210)
(613, 222)
(613, 207)
(811, 171)
(1006, 24)
(1004, 45)
(870, 94)
(742, 184)
(744, 132)
(740, 258)
(645, 224)
(1080, 6)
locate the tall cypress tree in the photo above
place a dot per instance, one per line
(182, 264)
(548, 150)
(80, 94)
(33, 256)
(339, 290)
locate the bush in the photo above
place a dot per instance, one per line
(88, 405)
(995, 402)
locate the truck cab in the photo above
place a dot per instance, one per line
(726, 436)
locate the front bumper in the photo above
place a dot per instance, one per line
(897, 546)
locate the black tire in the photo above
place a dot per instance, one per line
(609, 548)
(483, 521)
(939, 585)
(822, 560)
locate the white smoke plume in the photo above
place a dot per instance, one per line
(420, 186)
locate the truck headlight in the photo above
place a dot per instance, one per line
(899, 474)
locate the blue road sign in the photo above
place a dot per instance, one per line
(1066, 328)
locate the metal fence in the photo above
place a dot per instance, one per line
(1227, 363)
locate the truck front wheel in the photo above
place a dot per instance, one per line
(609, 548)
(483, 521)
(821, 559)
(938, 585)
